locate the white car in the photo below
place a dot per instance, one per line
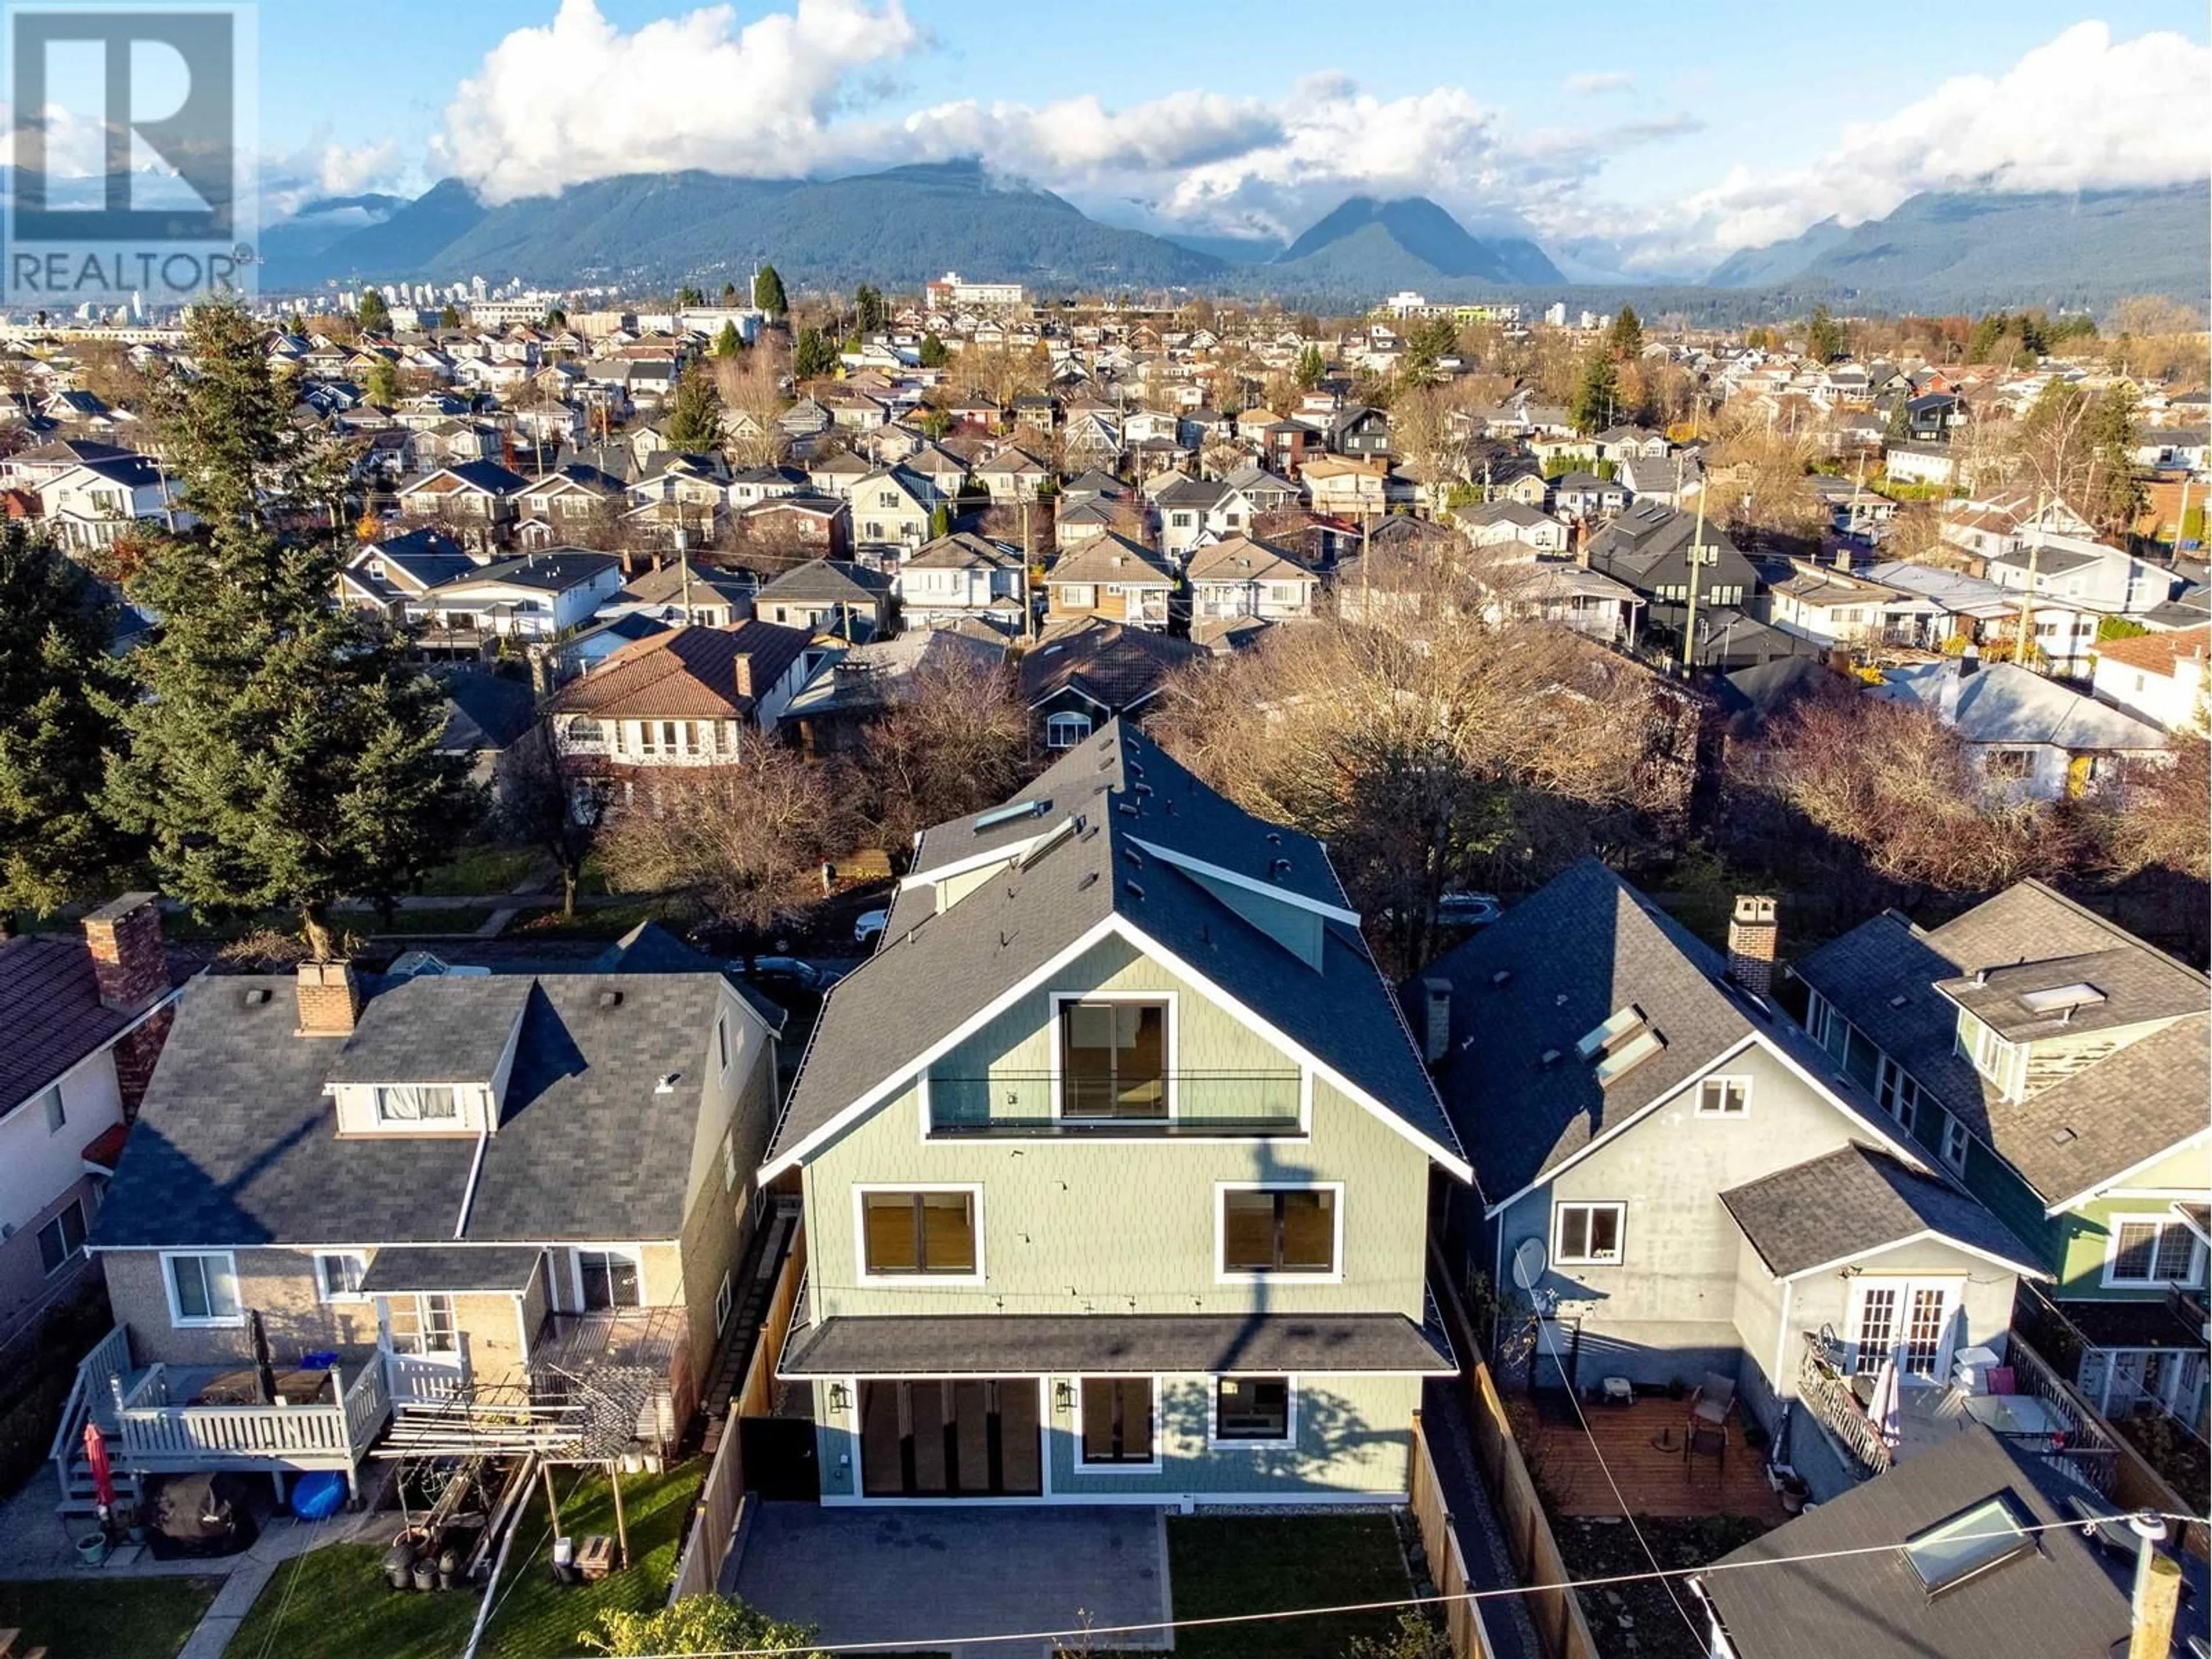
(869, 927)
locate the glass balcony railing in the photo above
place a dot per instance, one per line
(1155, 1105)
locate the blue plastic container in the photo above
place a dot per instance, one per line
(317, 1496)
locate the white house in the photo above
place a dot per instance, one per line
(2028, 734)
(2159, 677)
(89, 505)
(535, 596)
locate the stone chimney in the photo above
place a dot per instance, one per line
(126, 940)
(330, 998)
(744, 671)
(1753, 935)
(1436, 1019)
(1963, 668)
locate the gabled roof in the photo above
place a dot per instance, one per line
(1111, 558)
(1117, 794)
(235, 1145)
(2004, 703)
(489, 476)
(50, 1007)
(1112, 667)
(686, 673)
(964, 550)
(553, 571)
(1579, 950)
(1241, 559)
(829, 581)
(1855, 1202)
(2157, 654)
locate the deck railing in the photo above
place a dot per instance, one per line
(221, 1433)
(367, 1401)
(92, 1390)
(1826, 1392)
(2090, 1452)
(1022, 1103)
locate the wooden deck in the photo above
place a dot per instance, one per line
(1642, 1445)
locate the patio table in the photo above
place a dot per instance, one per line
(2017, 1416)
(243, 1388)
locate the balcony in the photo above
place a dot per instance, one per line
(1172, 1106)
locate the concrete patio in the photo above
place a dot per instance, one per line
(941, 1573)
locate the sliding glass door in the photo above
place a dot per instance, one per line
(950, 1438)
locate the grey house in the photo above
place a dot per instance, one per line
(1684, 1180)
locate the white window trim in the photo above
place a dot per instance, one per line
(1741, 1080)
(458, 1123)
(1222, 1275)
(2195, 1275)
(725, 1302)
(1079, 1465)
(178, 1318)
(730, 1161)
(323, 1291)
(1904, 1117)
(1952, 1127)
(1060, 999)
(69, 1257)
(1559, 1208)
(576, 1254)
(1213, 1440)
(860, 1273)
(724, 1052)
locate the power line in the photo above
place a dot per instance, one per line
(940, 1643)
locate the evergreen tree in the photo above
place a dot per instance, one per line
(2118, 494)
(940, 521)
(449, 315)
(555, 318)
(374, 316)
(688, 295)
(869, 309)
(60, 695)
(728, 343)
(695, 413)
(1309, 368)
(383, 382)
(934, 353)
(1596, 395)
(768, 292)
(1626, 340)
(283, 754)
(1824, 339)
(729, 295)
(812, 355)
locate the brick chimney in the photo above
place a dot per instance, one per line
(330, 998)
(1753, 935)
(743, 670)
(125, 939)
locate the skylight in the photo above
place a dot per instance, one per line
(2060, 999)
(1631, 1054)
(1012, 814)
(1970, 1543)
(1617, 1025)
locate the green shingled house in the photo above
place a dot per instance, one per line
(2057, 1066)
(1116, 1159)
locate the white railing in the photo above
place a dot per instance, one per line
(225, 1432)
(410, 1380)
(94, 1388)
(367, 1402)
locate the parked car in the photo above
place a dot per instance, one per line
(773, 971)
(1467, 910)
(869, 927)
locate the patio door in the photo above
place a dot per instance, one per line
(1914, 1319)
(950, 1438)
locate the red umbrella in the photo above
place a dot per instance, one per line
(95, 1453)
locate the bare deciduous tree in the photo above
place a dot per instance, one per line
(547, 803)
(956, 740)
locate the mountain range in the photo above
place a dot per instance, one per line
(900, 227)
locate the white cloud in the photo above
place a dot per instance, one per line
(1585, 82)
(2082, 112)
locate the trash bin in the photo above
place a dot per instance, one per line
(399, 1563)
(564, 1559)
(317, 1496)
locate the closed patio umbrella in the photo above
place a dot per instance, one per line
(265, 1372)
(1888, 1398)
(95, 1457)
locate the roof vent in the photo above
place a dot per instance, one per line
(1501, 976)
(1899, 1001)
(1550, 1057)
(1125, 808)
(666, 1086)
(1133, 890)
(610, 999)
(2062, 1135)
(255, 996)
(1280, 870)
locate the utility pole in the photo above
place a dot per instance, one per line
(1690, 621)
(2025, 641)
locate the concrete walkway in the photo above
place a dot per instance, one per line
(282, 1542)
(864, 1576)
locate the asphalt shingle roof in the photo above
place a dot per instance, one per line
(1852, 1202)
(407, 1268)
(686, 673)
(50, 1011)
(1115, 667)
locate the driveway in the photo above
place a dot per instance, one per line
(948, 1575)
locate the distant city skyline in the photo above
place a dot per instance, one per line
(1671, 137)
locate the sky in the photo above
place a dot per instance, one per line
(1673, 135)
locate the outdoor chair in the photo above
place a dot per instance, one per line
(1714, 1400)
(1705, 1440)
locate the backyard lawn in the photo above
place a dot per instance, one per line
(73, 1618)
(1233, 1564)
(484, 869)
(340, 1608)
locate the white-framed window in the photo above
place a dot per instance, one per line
(2151, 1251)
(61, 1240)
(1287, 1229)
(1955, 1144)
(609, 1278)
(725, 1298)
(730, 1162)
(1896, 1092)
(1066, 730)
(1079, 596)
(203, 1287)
(722, 1039)
(339, 1275)
(1818, 1017)
(422, 1326)
(418, 1103)
(1588, 1234)
(1255, 1412)
(56, 1112)
(1117, 1424)
(1724, 1096)
(933, 1233)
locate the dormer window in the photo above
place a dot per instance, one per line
(418, 1103)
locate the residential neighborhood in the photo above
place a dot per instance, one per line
(1319, 940)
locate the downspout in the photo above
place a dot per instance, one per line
(469, 1193)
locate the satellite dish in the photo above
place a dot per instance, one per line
(1529, 1263)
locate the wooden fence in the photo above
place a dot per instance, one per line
(1470, 1638)
(1562, 1628)
(715, 1523)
